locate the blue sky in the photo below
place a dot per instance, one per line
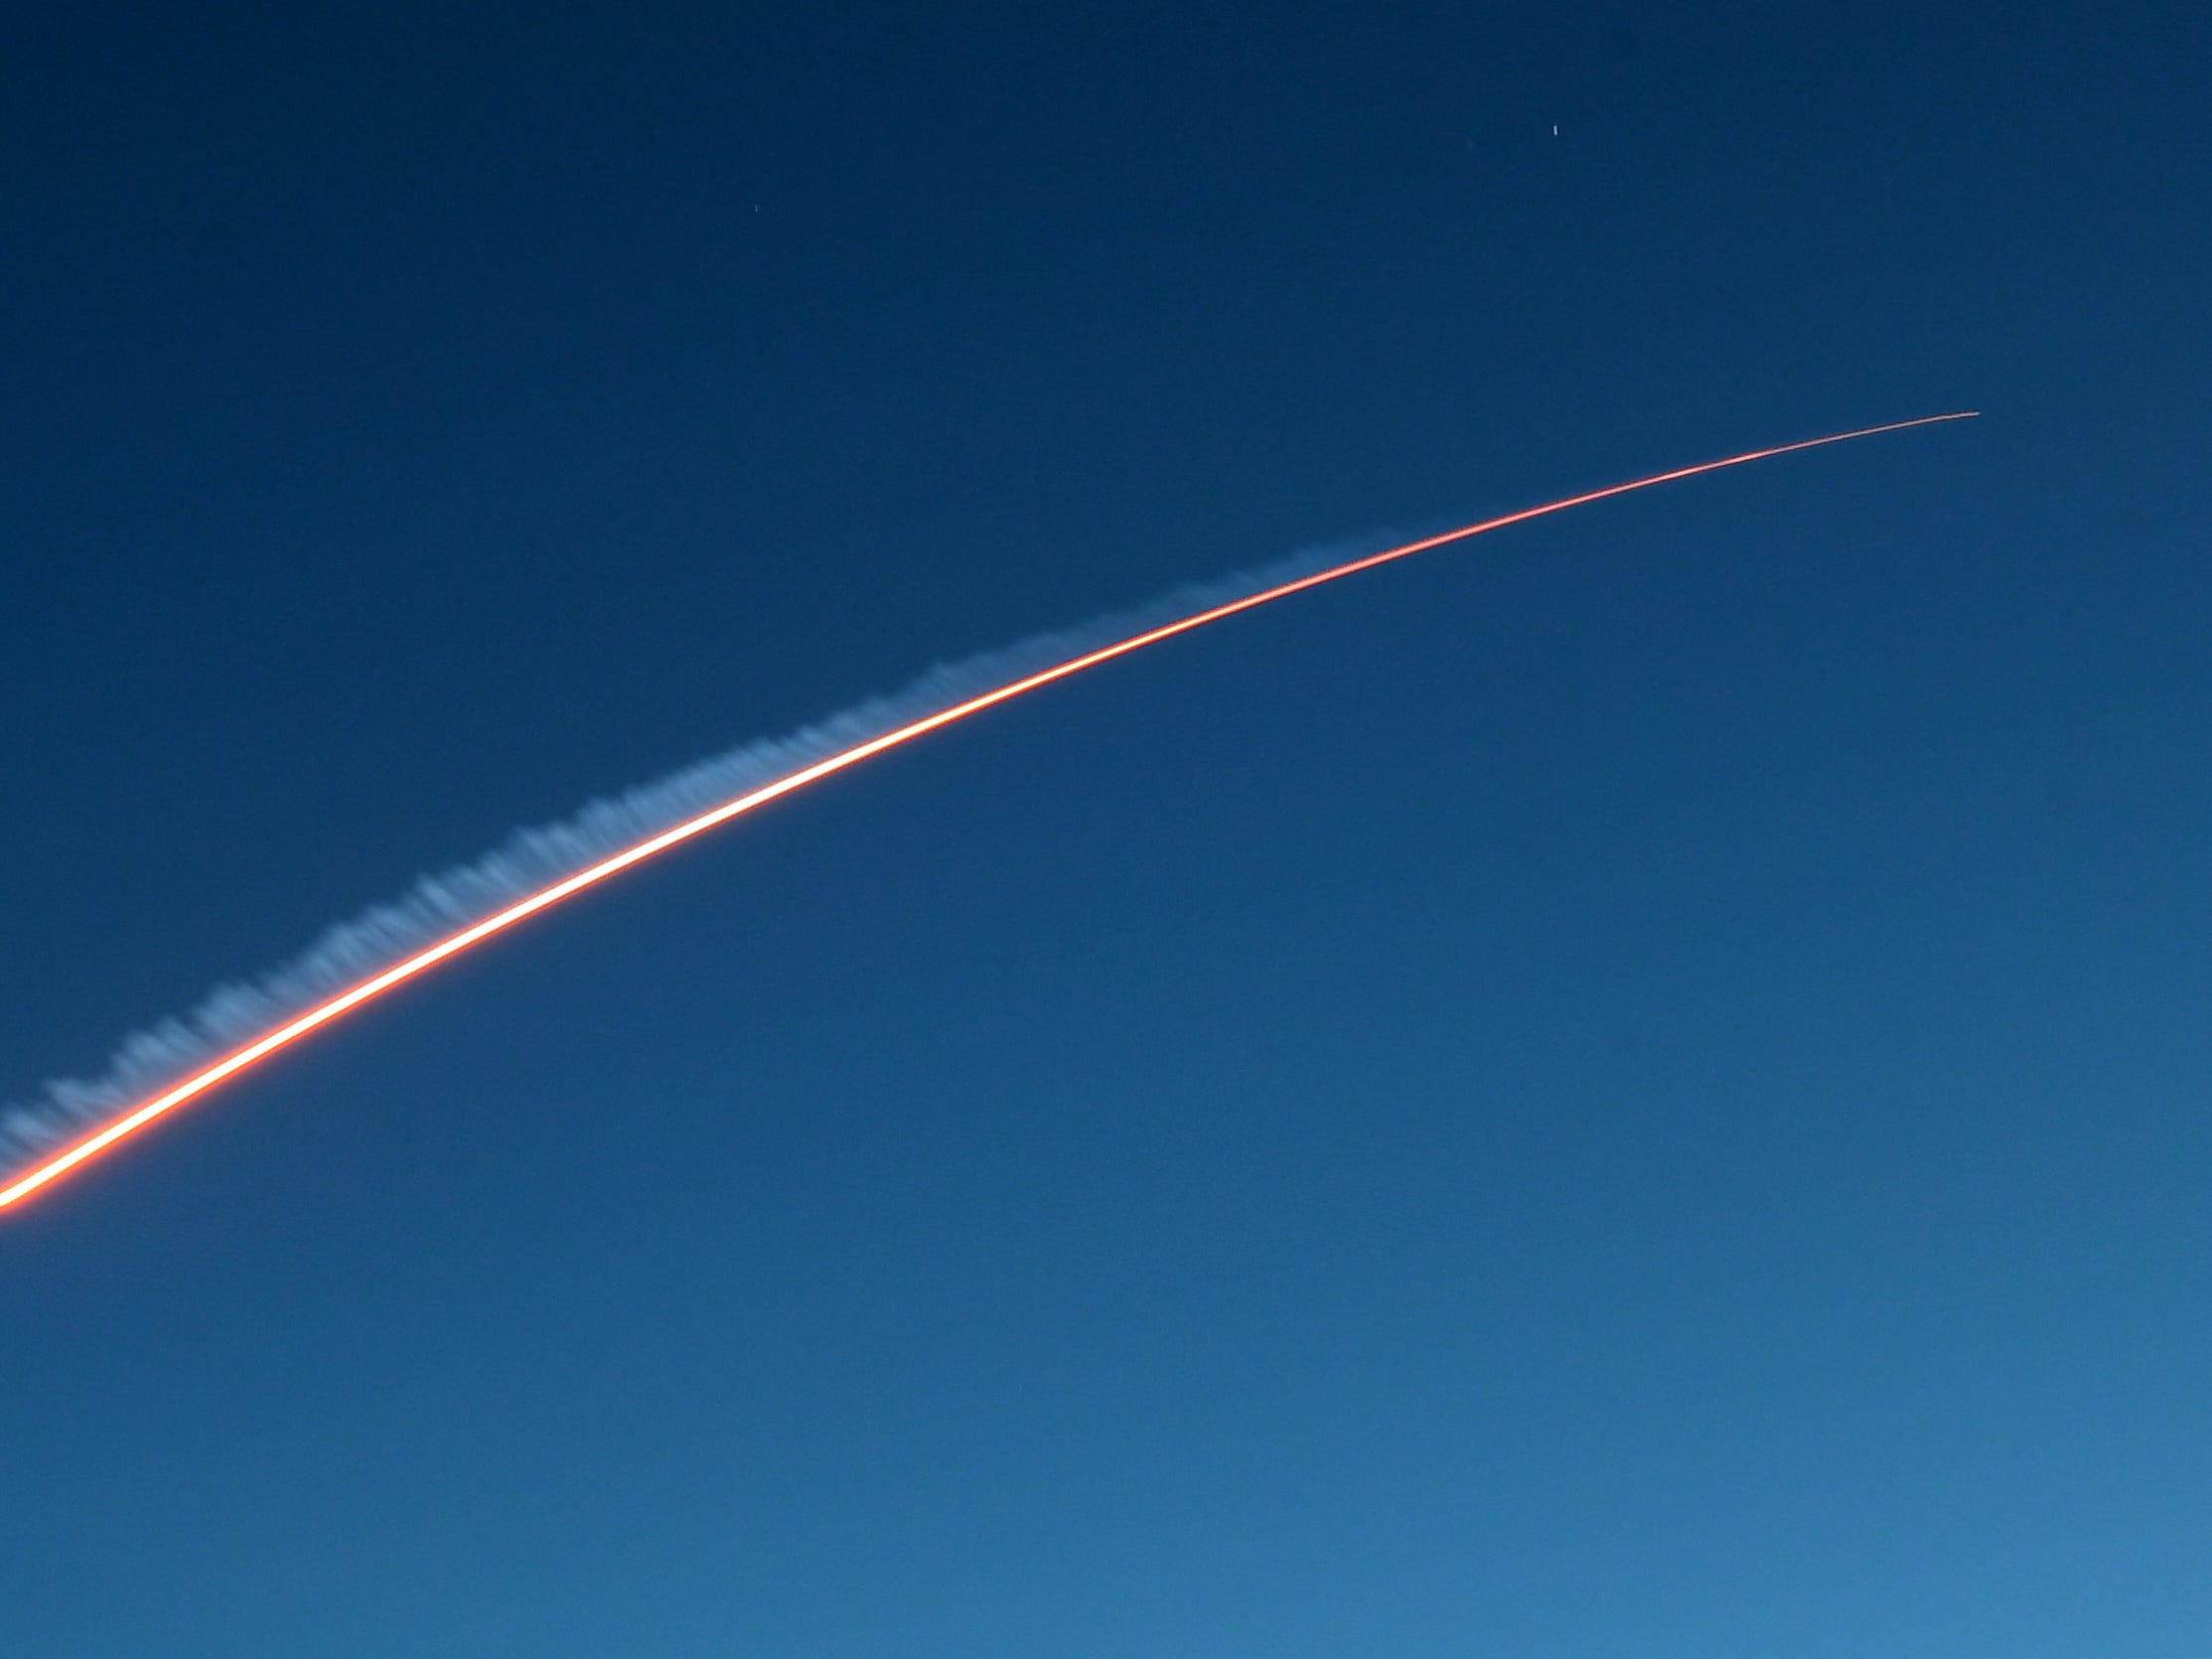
(1634, 1087)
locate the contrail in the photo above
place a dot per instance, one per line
(360, 960)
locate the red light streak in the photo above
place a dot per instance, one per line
(80, 1153)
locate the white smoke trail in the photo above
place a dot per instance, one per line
(150, 1061)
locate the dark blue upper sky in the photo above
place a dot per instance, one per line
(1636, 1087)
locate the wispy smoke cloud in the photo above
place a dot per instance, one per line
(151, 1060)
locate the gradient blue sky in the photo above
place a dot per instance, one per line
(1634, 1088)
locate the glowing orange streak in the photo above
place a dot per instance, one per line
(62, 1163)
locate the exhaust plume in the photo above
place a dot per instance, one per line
(238, 1025)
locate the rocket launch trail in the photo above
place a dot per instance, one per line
(52, 1164)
